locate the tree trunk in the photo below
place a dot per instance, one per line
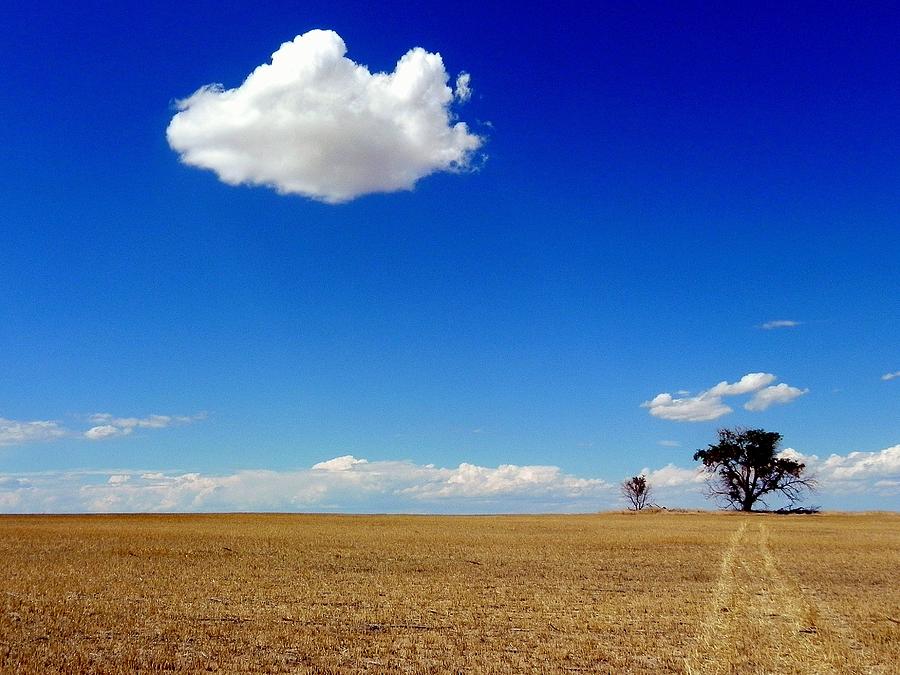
(747, 504)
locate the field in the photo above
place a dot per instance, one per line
(650, 593)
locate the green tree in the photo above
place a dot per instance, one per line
(744, 467)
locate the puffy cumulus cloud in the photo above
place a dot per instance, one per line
(748, 383)
(671, 476)
(779, 323)
(13, 432)
(855, 471)
(692, 409)
(779, 393)
(343, 484)
(891, 376)
(315, 123)
(708, 405)
(883, 464)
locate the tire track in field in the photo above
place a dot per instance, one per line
(761, 622)
(842, 653)
(708, 636)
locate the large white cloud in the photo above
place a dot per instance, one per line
(708, 405)
(855, 471)
(313, 122)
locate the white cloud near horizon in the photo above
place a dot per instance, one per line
(357, 485)
(708, 405)
(342, 483)
(780, 323)
(313, 122)
(352, 484)
(672, 476)
(854, 472)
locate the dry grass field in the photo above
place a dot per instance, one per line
(612, 593)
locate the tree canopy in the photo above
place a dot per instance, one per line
(744, 467)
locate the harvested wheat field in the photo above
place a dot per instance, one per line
(650, 593)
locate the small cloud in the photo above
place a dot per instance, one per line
(708, 405)
(315, 123)
(118, 479)
(105, 431)
(891, 376)
(779, 394)
(463, 87)
(109, 426)
(780, 323)
(669, 444)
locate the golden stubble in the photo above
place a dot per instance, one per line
(658, 592)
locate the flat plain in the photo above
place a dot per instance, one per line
(657, 592)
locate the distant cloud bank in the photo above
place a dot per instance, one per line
(353, 484)
(708, 405)
(342, 483)
(315, 123)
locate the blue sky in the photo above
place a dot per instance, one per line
(643, 190)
